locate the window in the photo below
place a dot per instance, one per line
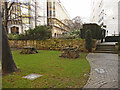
(50, 13)
(54, 13)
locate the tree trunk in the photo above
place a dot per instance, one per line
(6, 16)
(8, 65)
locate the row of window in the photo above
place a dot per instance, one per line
(100, 19)
(50, 9)
(101, 3)
(102, 12)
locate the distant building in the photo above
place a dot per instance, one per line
(14, 20)
(53, 13)
(105, 14)
(22, 17)
(35, 13)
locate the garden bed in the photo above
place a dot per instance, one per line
(51, 44)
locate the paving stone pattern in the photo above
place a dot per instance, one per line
(104, 70)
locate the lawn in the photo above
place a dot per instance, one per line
(57, 72)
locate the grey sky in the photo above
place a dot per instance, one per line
(80, 8)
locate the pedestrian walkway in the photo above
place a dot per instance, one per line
(104, 70)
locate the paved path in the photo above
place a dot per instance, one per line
(104, 70)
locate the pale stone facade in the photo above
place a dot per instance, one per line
(56, 16)
(43, 12)
(105, 13)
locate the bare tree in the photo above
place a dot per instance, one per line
(77, 23)
(74, 24)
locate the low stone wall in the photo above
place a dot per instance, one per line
(51, 44)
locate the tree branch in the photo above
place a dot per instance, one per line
(11, 5)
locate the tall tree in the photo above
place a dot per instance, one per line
(75, 23)
(8, 64)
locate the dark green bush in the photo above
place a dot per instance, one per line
(75, 33)
(38, 33)
(67, 37)
(95, 31)
(88, 40)
(13, 36)
(16, 37)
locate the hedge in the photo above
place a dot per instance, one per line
(51, 44)
(88, 40)
(95, 30)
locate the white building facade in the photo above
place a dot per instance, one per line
(105, 14)
(53, 13)
(40, 12)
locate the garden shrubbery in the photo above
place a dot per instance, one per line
(88, 40)
(52, 44)
(38, 33)
(72, 35)
(75, 33)
(16, 37)
(95, 29)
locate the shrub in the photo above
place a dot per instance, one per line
(39, 33)
(75, 33)
(13, 36)
(88, 40)
(16, 37)
(67, 37)
(95, 31)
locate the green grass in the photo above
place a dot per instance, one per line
(57, 72)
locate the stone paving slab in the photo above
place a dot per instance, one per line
(104, 70)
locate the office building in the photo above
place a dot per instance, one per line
(105, 14)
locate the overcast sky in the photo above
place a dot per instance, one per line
(80, 8)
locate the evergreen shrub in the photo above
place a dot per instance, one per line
(88, 40)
